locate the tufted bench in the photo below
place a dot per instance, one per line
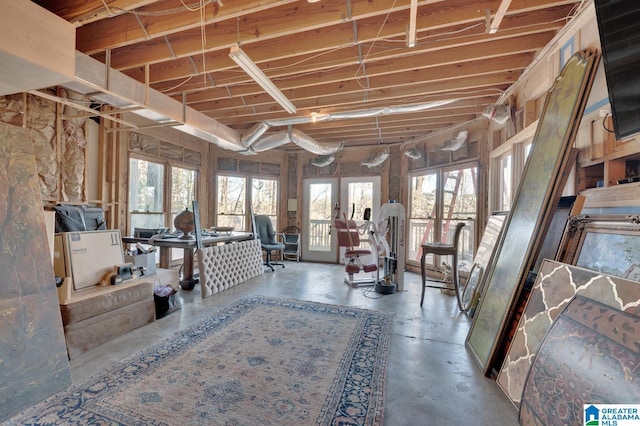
(99, 314)
(224, 266)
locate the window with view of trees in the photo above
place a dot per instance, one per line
(233, 199)
(146, 194)
(264, 198)
(439, 199)
(183, 189)
(320, 216)
(150, 204)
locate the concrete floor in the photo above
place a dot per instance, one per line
(431, 377)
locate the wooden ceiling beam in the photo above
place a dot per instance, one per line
(225, 34)
(162, 18)
(343, 81)
(79, 12)
(171, 74)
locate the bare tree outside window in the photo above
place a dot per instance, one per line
(146, 194)
(231, 201)
(264, 199)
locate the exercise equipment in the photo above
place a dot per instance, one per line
(391, 253)
(392, 220)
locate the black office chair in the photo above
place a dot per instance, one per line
(267, 237)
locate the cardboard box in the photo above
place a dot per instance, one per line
(146, 260)
(83, 259)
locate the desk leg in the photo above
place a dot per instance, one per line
(188, 281)
(165, 257)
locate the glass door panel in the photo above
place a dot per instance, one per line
(318, 243)
(357, 195)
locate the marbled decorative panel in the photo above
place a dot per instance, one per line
(33, 355)
(591, 355)
(557, 283)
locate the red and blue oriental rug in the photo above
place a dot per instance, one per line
(259, 361)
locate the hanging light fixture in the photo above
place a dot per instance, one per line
(412, 30)
(241, 58)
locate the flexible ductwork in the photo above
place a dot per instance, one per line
(100, 83)
(458, 141)
(259, 129)
(297, 137)
(414, 153)
(377, 159)
(322, 161)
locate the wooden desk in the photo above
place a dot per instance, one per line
(188, 281)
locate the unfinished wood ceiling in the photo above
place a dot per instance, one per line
(327, 57)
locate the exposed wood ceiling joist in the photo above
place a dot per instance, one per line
(326, 57)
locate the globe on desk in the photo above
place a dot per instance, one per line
(185, 223)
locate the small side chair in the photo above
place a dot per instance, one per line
(291, 240)
(443, 249)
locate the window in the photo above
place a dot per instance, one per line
(360, 197)
(151, 205)
(507, 166)
(264, 198)
(233, 199)
(321, 212)
(183, 192)
(439, 199)
(183, 189)
(146, 194)
(504, 183)
(422, 212)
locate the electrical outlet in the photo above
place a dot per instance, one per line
(604, 112)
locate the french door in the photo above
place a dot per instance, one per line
(321, 196)
(356, 195)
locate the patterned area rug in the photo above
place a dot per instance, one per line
(259, 361)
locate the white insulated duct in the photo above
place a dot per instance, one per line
(259, 129)
(297, 137)
(414, 153)
(101, 83)
(322, 161)
(377, 159)
(458, 141)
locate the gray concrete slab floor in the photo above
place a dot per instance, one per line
(432, 378)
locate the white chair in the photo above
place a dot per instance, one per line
(291, 240)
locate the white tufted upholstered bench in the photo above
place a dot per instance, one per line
(224, 266)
